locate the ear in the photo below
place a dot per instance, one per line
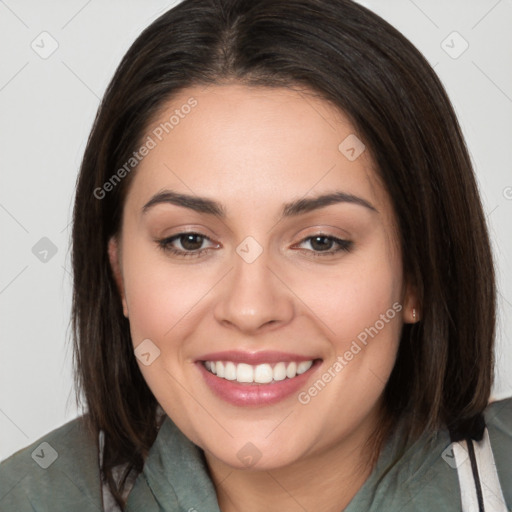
(412, 310)
(114, 254)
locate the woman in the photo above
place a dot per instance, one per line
(284, 294)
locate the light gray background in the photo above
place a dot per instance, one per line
(47, 107)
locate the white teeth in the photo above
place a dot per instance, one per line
(304, 366)
(263, 374)
(244, 373)
(230, 371)
(291, 370)
(280, 371)
(260, 374)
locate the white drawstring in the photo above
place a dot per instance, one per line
(478, 477)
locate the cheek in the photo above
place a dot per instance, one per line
(159, 295)
(353, 296)
(360, 312)
(161, 298)
(359, 308)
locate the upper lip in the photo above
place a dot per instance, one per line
(254, 358)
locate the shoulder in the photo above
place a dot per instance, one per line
(60, 471)
(498, 417)
(424, 475)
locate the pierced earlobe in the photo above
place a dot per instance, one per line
(414, 315)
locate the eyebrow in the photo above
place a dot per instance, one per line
(292, 209)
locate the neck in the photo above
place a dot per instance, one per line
(325, 481)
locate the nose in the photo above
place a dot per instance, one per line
(254, 297)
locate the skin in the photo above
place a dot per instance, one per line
(254, 149)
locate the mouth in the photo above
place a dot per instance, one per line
(265, 373)
(259, 379)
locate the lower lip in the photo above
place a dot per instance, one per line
(255, 394)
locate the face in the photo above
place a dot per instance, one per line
(266, 320)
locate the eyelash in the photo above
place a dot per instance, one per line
(165, 245)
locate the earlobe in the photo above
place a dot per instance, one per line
(412, 313)
(115, 264)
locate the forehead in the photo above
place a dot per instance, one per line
(257, 143)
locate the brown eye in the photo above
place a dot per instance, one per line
(190, 244)
(191, 241)
(322, 245)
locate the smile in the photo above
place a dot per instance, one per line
(265, 373)
(259, 379)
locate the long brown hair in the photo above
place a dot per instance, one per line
(352, 58)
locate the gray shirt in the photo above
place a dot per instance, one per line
(61, 472)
